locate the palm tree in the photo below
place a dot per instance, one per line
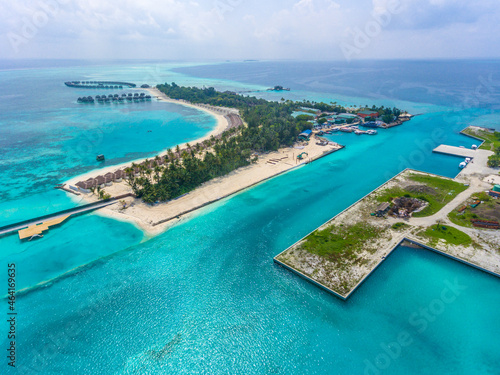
(157, 171)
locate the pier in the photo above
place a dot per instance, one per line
(36, 226)
(456, 151)
(479, 162)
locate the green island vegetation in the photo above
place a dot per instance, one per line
(338, 243)
(436, 191)
(451, 235)
(399, 225)
(487, 209)
(491, 143)
(270, 125)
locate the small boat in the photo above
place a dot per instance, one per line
(335, 129)
(462, 164)
(100, 157)
(358, 132)
(371, 132)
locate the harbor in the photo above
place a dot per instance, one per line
(373, 227)
(474, 161)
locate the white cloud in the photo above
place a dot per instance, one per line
(243, 29)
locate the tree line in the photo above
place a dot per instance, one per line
(270, 126)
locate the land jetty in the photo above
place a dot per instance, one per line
(99, 84)
(33, 228)
(453, 217)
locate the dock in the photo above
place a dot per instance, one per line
(479, 163)
(35, 230)
(455, 151)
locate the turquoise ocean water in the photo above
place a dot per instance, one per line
(205, 297)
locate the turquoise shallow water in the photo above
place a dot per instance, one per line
(205, 297)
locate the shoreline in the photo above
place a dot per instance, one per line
(155, 219)
(343, 281)
(222, 124)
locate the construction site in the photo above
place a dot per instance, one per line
(412, 208)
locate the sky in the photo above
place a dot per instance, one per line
(249, 29)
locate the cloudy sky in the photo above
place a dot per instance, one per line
(249, 29)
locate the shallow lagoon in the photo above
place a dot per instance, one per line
(206, 297)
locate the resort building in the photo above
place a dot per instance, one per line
(368, 113)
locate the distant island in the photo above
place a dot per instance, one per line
(278, 88)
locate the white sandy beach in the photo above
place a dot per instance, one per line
(221, 125)
(157, 218)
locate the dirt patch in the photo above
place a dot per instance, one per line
(421, 189)
(488, 213)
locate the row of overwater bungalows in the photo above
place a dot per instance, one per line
(109, 178)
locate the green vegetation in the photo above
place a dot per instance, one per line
(270, 125)
(304, 118)
(487, 210)
(491, 139)
(340, 243)
(400, 225)
(436, 191)
(451, 235)
(491, 142)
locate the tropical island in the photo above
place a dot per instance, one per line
(255, 139)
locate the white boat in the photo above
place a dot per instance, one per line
(462, 164)
(371, 132)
